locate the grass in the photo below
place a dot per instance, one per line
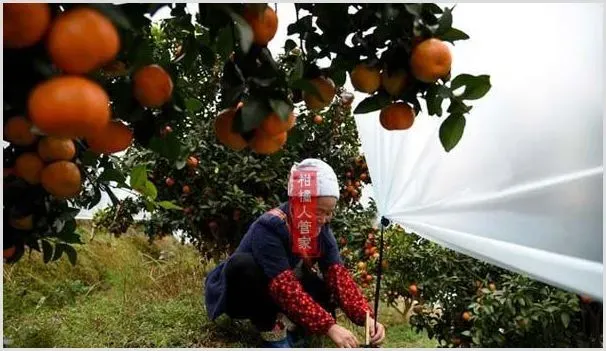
(125, 292)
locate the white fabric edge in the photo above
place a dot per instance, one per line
(569, 273)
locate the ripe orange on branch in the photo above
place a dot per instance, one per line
(81, 40)
(394, 83)
(17, 130)
(365, 78)
(274, 125)
(430, 60)
(224, 130)
(152, 86)
(69, 106)
(115, 137)
(265, 144)
(326, 89)
(22, 223)
(397, 116)
(24, 24)
(264, 24)
(52, 148)
(62, 179)
(28, 166)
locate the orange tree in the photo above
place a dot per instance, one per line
(464, 302)
(117, 82)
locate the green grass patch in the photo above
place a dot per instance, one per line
(126, 292)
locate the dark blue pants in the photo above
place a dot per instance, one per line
(248, 291)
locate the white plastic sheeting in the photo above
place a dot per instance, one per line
(523, 189)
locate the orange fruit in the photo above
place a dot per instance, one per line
(186, 189)
(22, 223)
(274, 125)
(326, 89)
(361, 265)
(413, 289)
(169, 182)
(318, 119)
(430, 60)
(397, 116)
(264, 24)
(115, 137)
(365, 78)
(24, 24)
(466, 316)
(265, 144)
(152, 86)
(28, 166)
(62, 179)
(8, 253)
(69, 106)
(394, 83)
(17, 130)
(192, 162)
(81, 40)
(51, 148)
(224, 130)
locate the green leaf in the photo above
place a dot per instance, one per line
(282, 108)
(114, 13)
(466, 333)
(565, 319)
(72, 238)
(246, 34)
(289, 45)
(451, 131)
(71, 254)
(445, 22)
(58, 252)
(255, 109)
(68, 228)
(372, 103)
(413, 9)
(225, 42)
(475, 86)
(193, 105)
(149, 190)
(138, 177)
(435, 96)
(306, 86)
(112, 174)
(458, 106)
(452, 35)
(47, 251)
(169, 205)
(432, 8)
(168, 146)
(89, 158)
(339, 77)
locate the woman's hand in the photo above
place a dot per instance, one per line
(376, 337)
(342, 337)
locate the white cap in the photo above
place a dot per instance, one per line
(328, 185)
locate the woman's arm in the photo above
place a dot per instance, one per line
(284, 287)
(340, 282)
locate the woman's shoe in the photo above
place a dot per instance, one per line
(276, 338)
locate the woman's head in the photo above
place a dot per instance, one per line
(325, 189)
